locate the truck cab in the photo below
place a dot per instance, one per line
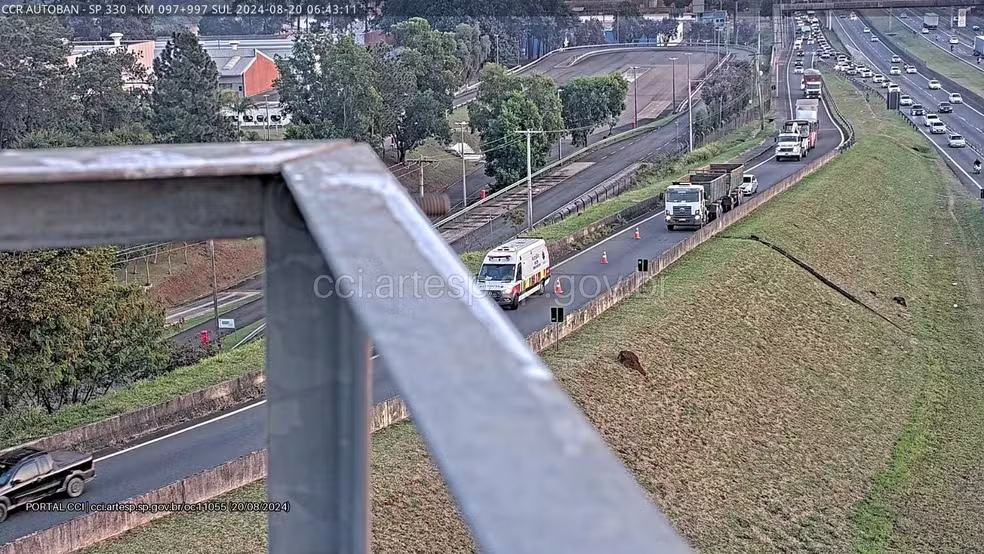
(514, 271)
(685, 205)
(790, 146)
(30, 475)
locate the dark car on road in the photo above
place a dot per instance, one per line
(30, 475)
(917, 109)
(944, 107)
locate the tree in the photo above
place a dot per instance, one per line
(507, 162)
(329, 87)
(589, 32)
(68, 330)
(665, 30)
(34, 76)
(614, 89)
(238, 105)
(98, 84)
(472, 49)
(186, 103)
(583, 108)
(727, 91)
(495, 86)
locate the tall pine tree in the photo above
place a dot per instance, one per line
(186, 103)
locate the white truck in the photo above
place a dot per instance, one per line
(931, 20)
(791, 144)
(701, 197)
(979, 45)
(514, 271)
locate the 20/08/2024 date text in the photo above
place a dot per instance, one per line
(209, 506)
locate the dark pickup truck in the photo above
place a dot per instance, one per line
(29, 475)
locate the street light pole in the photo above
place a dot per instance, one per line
(635, 97)
(690, 108)
(673, 61)
(464, 179)
(529, 178)
(215, 290)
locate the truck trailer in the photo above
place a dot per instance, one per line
(812, 84)
(931, 20)
(703, 196)
(979, 45)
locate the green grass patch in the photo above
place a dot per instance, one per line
(193, 322)
(938, 60)
(653, 185)
(30, 425)
(232, 339)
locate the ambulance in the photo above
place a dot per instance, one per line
(514, 271)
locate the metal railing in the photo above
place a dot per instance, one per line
(529, 472)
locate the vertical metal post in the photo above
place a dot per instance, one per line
(215, 287)
(673, 70)
(464, 179)
(317, 393)
(690, 107)
(529, 181)
(635, 97)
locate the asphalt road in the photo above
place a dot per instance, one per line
(653, 93)
(965, 119)
(183, 451)
(911, 19)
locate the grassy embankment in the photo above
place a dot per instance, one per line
(32, 425)
(786, 418)
(938, 60)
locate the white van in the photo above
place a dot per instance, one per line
(515, 270)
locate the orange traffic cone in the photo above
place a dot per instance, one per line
(604, 257)
(557, 288)
(637, 237)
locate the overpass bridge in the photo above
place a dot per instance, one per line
(821, 5)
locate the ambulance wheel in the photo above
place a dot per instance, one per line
(515, 303)
(543, 287)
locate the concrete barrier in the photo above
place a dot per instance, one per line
(91, 528)
(131, 425)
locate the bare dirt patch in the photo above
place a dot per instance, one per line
(182, 272)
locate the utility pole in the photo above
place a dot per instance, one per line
(635, 97)
(215, 291)
(421, 161)
(690, 108)
(529, 177)
(673, 61)
(464, 179)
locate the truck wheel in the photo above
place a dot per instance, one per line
(669, 227)
(3, 511)
(75, 487)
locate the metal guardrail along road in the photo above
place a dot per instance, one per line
(528, 471)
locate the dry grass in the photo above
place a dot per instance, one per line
(937, 60)
(187, 275)
(778, 415)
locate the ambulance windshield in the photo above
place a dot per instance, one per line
(497, 272)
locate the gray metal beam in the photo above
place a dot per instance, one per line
(528, 470)
(317, 396)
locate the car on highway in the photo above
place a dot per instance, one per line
(799, 54)
(825, 54)
(925, 31)
(910, 69)
(30, 475)
(938, 128)
(866, 73)
(892, 87)
(929, 118)
(944, 107)
(895, 70)
(851, 70)
(934, 84)
(905, 100)
(917, 109)
(896, 59)
(874, 38)
(798, 69)
(956, 141)
(866, 30)
(955, 98)
(749, 185)
(877, 78)
(954, 40)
